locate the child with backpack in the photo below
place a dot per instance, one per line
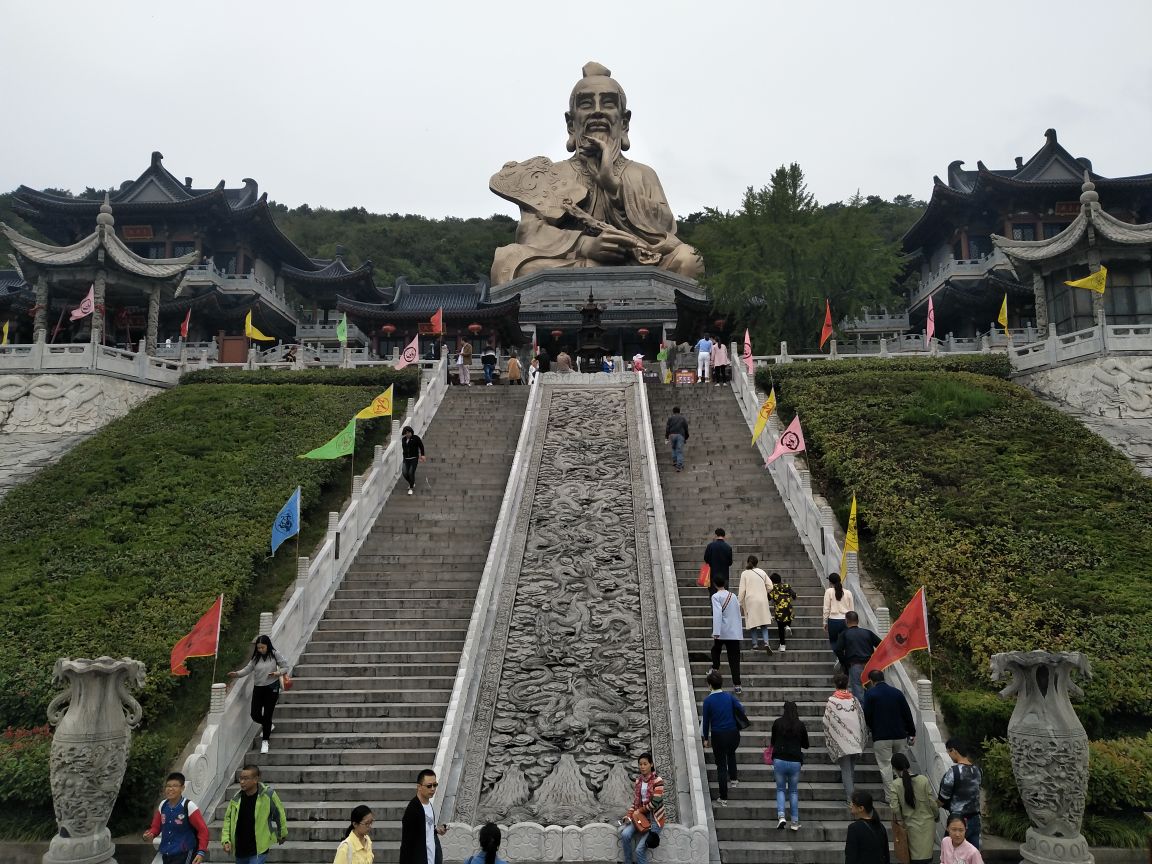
(781, 596)
(180, 825)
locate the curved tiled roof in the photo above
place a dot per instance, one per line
(419, 302)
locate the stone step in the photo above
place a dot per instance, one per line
(442, 613)
(378, 695)
(320, 655)
(298, 749)
(338, 727)
(309, 670)
(347, 710)
(395, 767)
(789, 850)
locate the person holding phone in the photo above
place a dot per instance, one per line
(419, 833)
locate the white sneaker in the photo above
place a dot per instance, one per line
(787, 629)
(782, 648)
(409, 490)
(263, 746)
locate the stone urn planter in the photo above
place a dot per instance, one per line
(94, 717)
(1049, 751)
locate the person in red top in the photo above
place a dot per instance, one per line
(647, 806)
(180, 825)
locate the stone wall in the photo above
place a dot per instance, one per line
(43, 416)
(1111, 395)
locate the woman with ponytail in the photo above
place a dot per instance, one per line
(489, 844)
(867, 841)
(913, 809)
(838, 602)
(356, 847)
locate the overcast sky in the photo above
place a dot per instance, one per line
(411, 107)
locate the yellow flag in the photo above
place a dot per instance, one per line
(1002, 318)
(851, 540)
(4, 337)
(252, 333)
(762, 417)
(1093, 281)
(381, 406)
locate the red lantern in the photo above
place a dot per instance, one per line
(719, 323)
(643, 331)
(388, 329)
(475, 329)
(556, 334)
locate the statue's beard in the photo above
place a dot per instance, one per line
(579, 143)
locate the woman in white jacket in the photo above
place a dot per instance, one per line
(753, 596)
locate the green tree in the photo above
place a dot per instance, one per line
(772, 263)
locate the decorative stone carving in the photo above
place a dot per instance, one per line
(94, 718)
(1049, 751)
(573, 686)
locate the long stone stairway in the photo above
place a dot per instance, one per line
(373, 684)
(724, 485)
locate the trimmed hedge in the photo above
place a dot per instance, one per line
(407, 381)
(1119, 787)
(120, 547)
(992, 365)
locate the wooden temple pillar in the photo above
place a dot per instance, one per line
(153, 324)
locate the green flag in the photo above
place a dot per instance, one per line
(341, 445)
(342, 330)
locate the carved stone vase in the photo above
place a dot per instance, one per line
(1049, 751)
(94, 717)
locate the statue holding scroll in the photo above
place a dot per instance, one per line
(597, 209)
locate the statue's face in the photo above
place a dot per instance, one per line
(598, 110)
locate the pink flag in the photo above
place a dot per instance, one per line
(747, 356)
(791, 442)
(930, 327)
(86, 306)
(410, 354)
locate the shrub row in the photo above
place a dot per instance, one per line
(1119, 786)
(120, 547)
(992, 365)
(407, 381)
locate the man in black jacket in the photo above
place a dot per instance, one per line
(676, 434)
(891, 722)
(412, 449)
(718, 557)
(419, 833)
(855, 646)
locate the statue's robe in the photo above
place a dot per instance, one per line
(547, 237)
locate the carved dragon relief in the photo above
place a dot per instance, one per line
(569, 698)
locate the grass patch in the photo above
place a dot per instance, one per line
(119, 548)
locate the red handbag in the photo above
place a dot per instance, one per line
(768, 757)
(705, 577)
(286, 681)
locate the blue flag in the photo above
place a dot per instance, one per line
(287, 523)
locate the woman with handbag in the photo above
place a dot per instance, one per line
(266, 667)
(913, 814)
(722, 717)
(789, 741)
(356, 847)
(645, 818)
(753, 597)
(845, 731)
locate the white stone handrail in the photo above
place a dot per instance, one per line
(1100, 339)
(228, 732)
(972, 267)
(247, 283)
(815, 523)
(90, 357)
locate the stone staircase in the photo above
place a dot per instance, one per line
(373, 684)
(723, 485)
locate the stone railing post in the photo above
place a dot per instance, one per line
(216, 702)
(378, 454)
(265, 623)
(784, 358)
(924, 697)
(334, 531)
(883, 347)
(883, 621)
(832, 349)
(251, 364)
(827, 527)
(303, 564)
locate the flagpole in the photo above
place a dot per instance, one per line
(216, 656)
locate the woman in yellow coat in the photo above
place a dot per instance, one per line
(356, 848)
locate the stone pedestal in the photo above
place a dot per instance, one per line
(1049, 752)
(94, 717)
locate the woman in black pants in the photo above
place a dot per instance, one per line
(718, 722)
(265, 666)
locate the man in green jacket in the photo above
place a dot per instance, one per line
(254, 819)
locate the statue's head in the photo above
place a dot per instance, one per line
(597, 107)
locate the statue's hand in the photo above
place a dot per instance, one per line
(608, 247)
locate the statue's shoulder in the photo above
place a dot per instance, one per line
(539, 184)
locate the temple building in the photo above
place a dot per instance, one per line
(967, 274)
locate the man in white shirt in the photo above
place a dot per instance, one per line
(727, 628)
(419, 833)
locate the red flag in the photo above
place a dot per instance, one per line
(747, 356)
(438, 321)
(909, 633)
(184, 324)
(203, 640)
(86, 306)
(410, 354)
(826, 330)
(791, 441)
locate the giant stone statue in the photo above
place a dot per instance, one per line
(597, 209)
